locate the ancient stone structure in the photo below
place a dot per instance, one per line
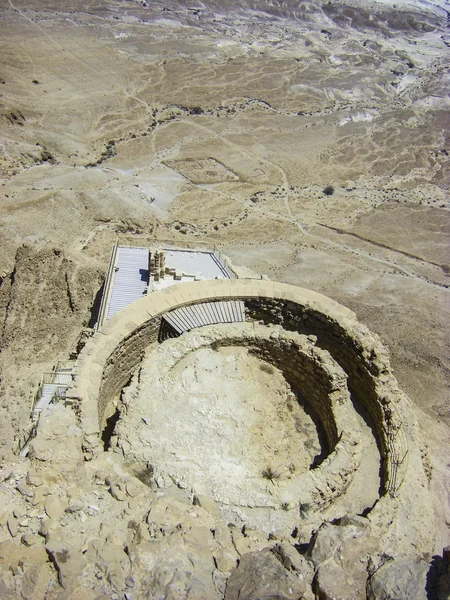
(239, 459)
(109, 360)
(157, 265)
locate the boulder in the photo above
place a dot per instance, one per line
(292, 560)
(403, 578)
(12, 555)
(6, 593)
(340, 552)
(69, 562)
(261, 576)
(225, 559)
(35, 582)
(13, 526)
(54, 507)
(249, 540)
(110, 559)
(164, 568)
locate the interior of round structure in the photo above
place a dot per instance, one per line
(218, 420)
(226, 423)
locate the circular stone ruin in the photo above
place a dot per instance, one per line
(287, 420)
(257, 418)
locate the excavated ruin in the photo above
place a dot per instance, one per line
(274, 454)
(332, 440)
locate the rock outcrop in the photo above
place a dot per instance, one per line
(261, 576)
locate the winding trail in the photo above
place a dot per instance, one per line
(326, 242)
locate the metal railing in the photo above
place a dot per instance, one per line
(62, 379)
(108, 283)
(57, 377)
(398, 447)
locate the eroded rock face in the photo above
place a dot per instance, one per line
(44, 303)
(58, 440)
(261, 576)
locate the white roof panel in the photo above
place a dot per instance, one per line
(130, 278)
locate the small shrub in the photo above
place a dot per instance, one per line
(270, 474)
(266, 368)
(146, 475)
(328, 190)
(285, 506)
(303, 509)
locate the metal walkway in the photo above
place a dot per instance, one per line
(130, 278)
(53, 385)
(205, 313)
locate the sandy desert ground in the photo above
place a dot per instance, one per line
(308, 141)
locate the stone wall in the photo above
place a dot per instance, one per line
(309, 374)
(110, 357)
(310, 370)
(122, 363)
(360, 354)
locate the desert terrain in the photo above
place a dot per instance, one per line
(308, 141)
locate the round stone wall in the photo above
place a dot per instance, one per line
(109, 359)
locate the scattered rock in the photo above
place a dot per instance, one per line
(226, 559)
(6, 593)
(133, 488)
(25, 490)
(28, 539)
(38, 496)
(5, 474)
(34, 480)
(292, 560)
(249, 540)
(45, 527)
(75, 507)
(163, 568)
(58, 439)
(117, 488)
(54, 507)
(35, 582)
(13, 526)
(207, 504)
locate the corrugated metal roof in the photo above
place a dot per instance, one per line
(205, 313)
(130, 278)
